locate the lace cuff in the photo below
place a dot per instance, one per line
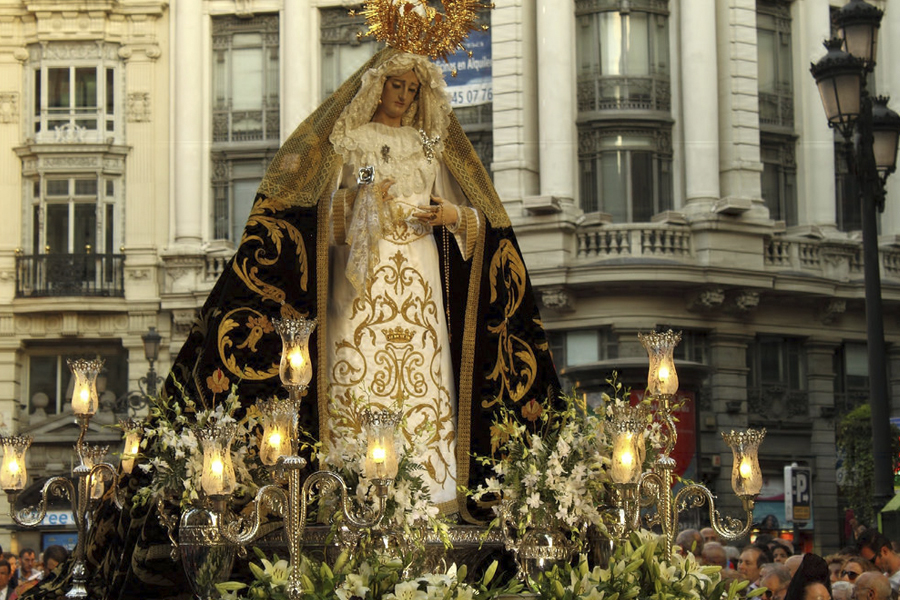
(341, 209)
(465, 230)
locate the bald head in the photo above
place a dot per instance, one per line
(877, 582)
(793, 563)
(714, 554)
(709, 535)
(690, 541)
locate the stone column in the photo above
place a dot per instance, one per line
(815, 148)
(187, 123)
(888, 75)
(556, 99)
(739, 159)
(820, 382)
(728, 386)
(300, 67)
(701, 105)
(514, 67)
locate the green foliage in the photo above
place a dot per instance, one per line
(639, 568)
(854, 442)
(363, 576)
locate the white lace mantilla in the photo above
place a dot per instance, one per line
(395, 152)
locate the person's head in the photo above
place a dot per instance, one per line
(854, 567)
(709, 535)
(775, 578)
(397, 96)
(752, 560)
(875, 547)
(793, 563)
(842, 590)
(781, 549)
(5, 573)
(54, 556)
(816, 591)
(812, 573)
(11, 559)
(714, 554)
(26, 558)
(690, 540)
(872, 585)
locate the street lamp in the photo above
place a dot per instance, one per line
(871, 155)
(134, 400)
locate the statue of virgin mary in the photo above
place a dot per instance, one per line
(377, 218)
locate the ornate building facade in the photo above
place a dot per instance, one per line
(664, 162)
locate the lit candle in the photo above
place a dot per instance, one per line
(133, 432)
(278, 427)
(746, 476)
(381, 456)
(84, 393)
(217, 478)
(295, 368)
(13, 475)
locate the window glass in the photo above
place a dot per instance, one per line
(85, 228)
(642, 186)
(637, 37)
(613, 176)
(57, 187)
(247, 76)
(43, 385)
(57, 228)
(58, 87)
(85, 187)
(582, 347)
(86, 87)
(610, 43)
(244, 193)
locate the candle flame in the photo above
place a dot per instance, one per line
(275, 439)
(13, 467)
(295, 358)
(663, 372)
(379, 454)
(217, 467)
(746, 469)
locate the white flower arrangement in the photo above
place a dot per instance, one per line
(174, 457)
(551, 462)
(409, 507)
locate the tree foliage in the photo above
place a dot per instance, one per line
(854, 442)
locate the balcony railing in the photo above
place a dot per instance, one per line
(635, 240)
(613, 92)
(46, 275)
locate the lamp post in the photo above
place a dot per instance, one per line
(148, 385)
(870, 131)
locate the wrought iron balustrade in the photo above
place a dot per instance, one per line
(45, 275)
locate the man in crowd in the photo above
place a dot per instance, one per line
(775, 578)
(714, 554)
(26, 565)
(709, 535)
(874, 546)
(872, 586)
(752, 559)
(6, 589)
(690, 540)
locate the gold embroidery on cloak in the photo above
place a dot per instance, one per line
(516, 365)
(224, 342)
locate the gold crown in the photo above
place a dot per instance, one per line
(398, 334)
(434, 34)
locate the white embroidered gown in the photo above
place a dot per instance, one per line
(390, 343)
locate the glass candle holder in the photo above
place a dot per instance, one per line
(628, 424)
(381, 453)
(93, 455)
(746, 476)
(279, 418)
(133, 430)
(662, 379)
(13, 474)
(84, 394)
(217, 478)
(295, 368)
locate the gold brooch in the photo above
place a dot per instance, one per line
(413, 26)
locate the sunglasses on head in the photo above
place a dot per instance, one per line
(851, 575)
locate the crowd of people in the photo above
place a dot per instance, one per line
(868, 570)
(21, 572)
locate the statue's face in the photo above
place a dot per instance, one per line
(398, 93)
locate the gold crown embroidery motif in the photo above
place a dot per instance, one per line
(413, 26)
(398, 334)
